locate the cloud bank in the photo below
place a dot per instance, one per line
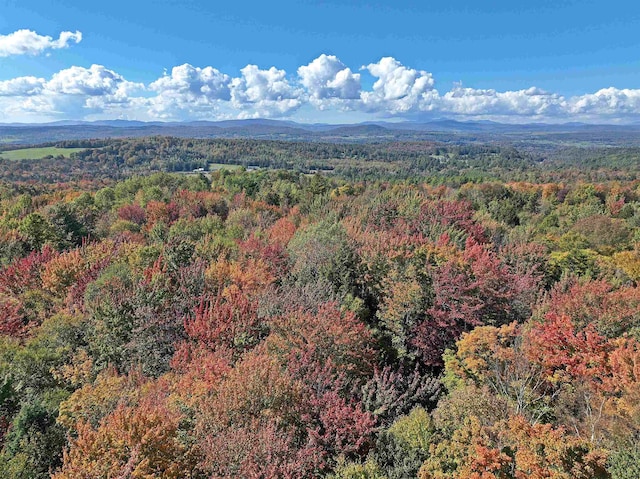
(28, 42)
(324, 85)
(74, 92)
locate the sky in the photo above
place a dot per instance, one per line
(320, 61)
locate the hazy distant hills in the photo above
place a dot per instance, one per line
(439, 130)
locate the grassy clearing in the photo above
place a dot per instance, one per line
(37, 153)
(223, 166)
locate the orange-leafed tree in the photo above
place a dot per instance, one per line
(142, 441)
(497, 358)
(513, 449)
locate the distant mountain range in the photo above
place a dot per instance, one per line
(438, 130)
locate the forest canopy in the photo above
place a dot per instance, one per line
(403, 310)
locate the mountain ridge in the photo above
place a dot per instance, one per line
(443, 130)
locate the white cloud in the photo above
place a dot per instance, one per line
(327, 77)
(74, 92)
(324, 88)
(189, 92)
(532, 102)
(96, 80)
(194, 83)
(93, 89)
(398, 89)
(264, 93)
(21, 86)
(28, 42)
(607, 102)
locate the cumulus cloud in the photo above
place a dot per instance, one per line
(21, 86)
(28, 42)
(96, 80)
(74, 92)
(325, 84)
(189, 92)
(206, 93)
(398, 88)
(264, 93)
(607, 102)
(194, 83)
(532, 102)
(92, 89)
(327, 77)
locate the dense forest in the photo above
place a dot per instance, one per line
(432, 162)
(413, 310)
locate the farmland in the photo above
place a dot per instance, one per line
(38, 153)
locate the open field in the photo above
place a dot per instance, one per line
(223, 166)
(37, 153)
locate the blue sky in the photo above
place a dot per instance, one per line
(330, 61)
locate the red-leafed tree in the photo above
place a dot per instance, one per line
(441, 216)
(134, 213)
(569, 353)
(272, 256)
(578, 361)
(260, 449)
(158, 211)
(21, 292)
(473, 290)
(229, 320)
(249, 423)
(339, 426)
(304, 339)
(610, 310)
(282, 231)
(24, 274)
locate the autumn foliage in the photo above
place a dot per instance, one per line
(279, 325)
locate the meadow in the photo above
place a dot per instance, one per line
(38, 153)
